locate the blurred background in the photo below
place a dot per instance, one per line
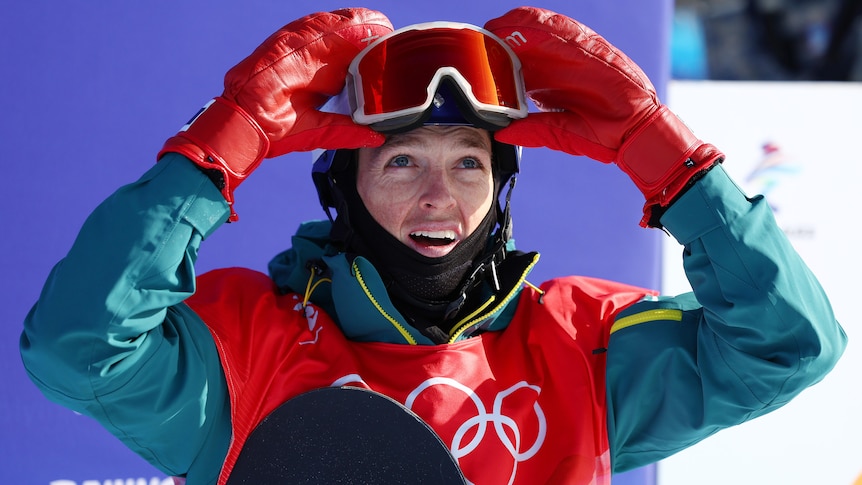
(767, 40)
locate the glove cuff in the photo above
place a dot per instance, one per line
(703, 159)
(663, 158)
(225, 141)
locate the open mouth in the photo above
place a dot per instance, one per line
(433, 238)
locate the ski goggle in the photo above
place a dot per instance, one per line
(392, 83)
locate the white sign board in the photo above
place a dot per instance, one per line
(799, 144)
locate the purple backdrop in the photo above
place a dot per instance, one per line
(90, 90)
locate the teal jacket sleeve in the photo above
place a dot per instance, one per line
(755, 332)
(110, 338)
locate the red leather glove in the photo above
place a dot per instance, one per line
(269, 104)
(597, 102)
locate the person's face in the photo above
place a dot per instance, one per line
(430, 187)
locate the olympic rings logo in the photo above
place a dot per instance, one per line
(483, 417)
(506, 428)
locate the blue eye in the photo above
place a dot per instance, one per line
(470, 163)
(400, 161)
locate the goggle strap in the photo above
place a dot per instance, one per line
(506, 227)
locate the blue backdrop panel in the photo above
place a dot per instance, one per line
(90, 91)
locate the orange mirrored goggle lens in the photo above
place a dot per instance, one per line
(394, 74)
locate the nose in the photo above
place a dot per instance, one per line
(437, 190)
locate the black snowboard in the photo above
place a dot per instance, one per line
(344, 435)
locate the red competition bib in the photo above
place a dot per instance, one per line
(522, 405)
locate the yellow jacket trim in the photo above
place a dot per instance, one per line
(647, 316)
(471, 319)
(403, 331)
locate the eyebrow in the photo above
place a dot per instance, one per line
(472, 139)
(465, 138)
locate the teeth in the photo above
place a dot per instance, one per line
(435, 234)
